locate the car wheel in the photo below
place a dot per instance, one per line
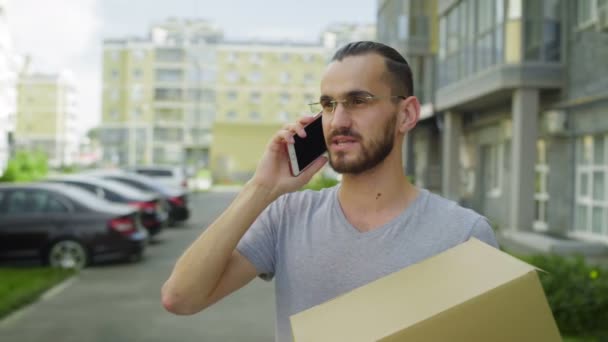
(68, 254)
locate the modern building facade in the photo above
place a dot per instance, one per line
(521, 109)
(411, 28)
(9, 68)
(47, 117)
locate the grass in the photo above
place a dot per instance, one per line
(21, 286)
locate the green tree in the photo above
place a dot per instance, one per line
(26, 166)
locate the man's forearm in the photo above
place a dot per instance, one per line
(199, 269)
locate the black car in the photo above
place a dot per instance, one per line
(176, 199)
(65, 226)
(153, 215)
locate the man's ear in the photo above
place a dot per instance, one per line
(409, 114)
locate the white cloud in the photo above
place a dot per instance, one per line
(58, 35)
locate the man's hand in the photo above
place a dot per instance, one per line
(273, 169)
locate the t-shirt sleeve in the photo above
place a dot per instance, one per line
(258, 244)
(483, 232)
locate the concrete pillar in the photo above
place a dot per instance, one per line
(523, 158)
(450, 161)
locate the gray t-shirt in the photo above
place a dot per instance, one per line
(304, 241)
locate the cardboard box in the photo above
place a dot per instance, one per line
(472, 292)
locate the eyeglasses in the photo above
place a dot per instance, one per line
(351, 103)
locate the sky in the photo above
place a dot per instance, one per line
(67, 34)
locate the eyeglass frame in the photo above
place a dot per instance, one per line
(352, 95)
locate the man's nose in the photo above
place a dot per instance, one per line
(340, 117)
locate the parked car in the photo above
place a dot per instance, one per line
(173, 176)
(153, 214)
(66, 227)
(176, 199)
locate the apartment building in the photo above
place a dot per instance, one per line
(260, 87)
(9, 67)
(46, 118)
(158, 95)
(521, 110)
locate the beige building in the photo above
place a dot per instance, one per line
(158, 96)
(46, 117)
(260, 87)
(9, 65)
(186, 96)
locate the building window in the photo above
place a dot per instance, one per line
(255, 116)
(232, 95)
(308, 58)
(115, 74)
(403, 29)
(232, 76)
(541, 193)
(231, 115)
(285, 57)
(586, 13)
(114, 95)
(493, 156)
(284, 99)
(137, 74)
(285, 77)
(542, 30)
(114, 114)
(309, 78)
(139, 55)
(591, 207)
(137, 92)
(136, 113)
(471, 39)
(255, 97)
(256, 59)
(283, 117)
(232, 57)
(255, 77)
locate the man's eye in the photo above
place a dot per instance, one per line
(358, 100)
(326, 104)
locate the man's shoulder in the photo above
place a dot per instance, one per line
(448, 209)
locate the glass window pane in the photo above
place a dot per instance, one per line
(587, 149)
(500, 11)
(499, 45)
(581, 218)
(584, 185)
(598, 150)
(598, 186)
(597, 220)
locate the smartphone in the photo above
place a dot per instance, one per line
(306, 150)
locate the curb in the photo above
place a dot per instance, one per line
(45, 296)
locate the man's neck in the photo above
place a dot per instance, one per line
(375, 197)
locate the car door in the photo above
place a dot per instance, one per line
(25, 225)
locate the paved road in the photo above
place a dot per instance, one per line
(121, 302)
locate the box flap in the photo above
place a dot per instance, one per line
(411, 295)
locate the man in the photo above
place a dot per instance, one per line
(320, 244)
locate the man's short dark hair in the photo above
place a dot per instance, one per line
(397, 67)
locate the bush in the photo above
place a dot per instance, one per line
(577, 294)
(25, 167)
(318, 183)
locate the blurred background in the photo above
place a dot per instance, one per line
(164, 108)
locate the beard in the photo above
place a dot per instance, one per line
(373, 152)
